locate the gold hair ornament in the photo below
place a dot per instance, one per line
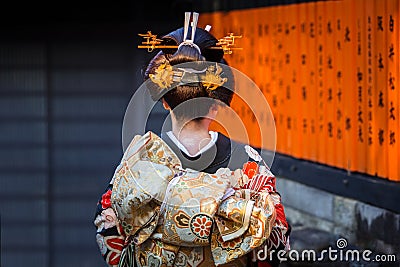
(212, 80)
(227, 44)
(151, 42)
(165, 76)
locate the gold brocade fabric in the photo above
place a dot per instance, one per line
(192, 204)
(243, 225)
(175, 217)
(140, 182)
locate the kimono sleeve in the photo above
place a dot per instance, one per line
(109, 235)
(252, 219)
(129, 208)
(242, 226)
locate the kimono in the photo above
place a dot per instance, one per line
(156, 211)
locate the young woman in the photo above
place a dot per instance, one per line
(193, 107)
(173, 201)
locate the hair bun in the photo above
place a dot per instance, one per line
(203, 39)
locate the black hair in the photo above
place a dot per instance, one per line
(189, 53)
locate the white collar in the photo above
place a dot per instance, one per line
(214, 137)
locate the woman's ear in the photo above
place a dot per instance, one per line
(165, 104)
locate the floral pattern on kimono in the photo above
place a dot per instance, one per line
(261, 182)
(109, 235)
(192, 223)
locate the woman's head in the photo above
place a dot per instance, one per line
(199, 51)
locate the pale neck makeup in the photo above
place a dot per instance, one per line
(193, 135)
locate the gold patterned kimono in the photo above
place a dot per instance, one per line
(155, 213)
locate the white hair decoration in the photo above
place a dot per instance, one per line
(190, 42)
(226, 44)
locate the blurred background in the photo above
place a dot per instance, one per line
(67, 72)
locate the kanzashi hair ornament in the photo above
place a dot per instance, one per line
(165, 75)
(212, 79)
(227, 43)
(190, 41)
(151, 42)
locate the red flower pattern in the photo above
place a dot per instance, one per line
(231, 244)
(250, 168)
(115, 244)
(202, 226)
(106, 200)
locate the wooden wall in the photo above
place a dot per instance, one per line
(330, 72)
(61, 109)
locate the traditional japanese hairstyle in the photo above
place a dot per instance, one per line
(177, 85)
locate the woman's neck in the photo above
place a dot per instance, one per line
(193, 135)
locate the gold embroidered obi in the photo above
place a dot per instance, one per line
(176, 217)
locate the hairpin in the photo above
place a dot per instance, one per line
(210, 77)
(227, 44)
(163, 76)
(190, 41)
(151, 42)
